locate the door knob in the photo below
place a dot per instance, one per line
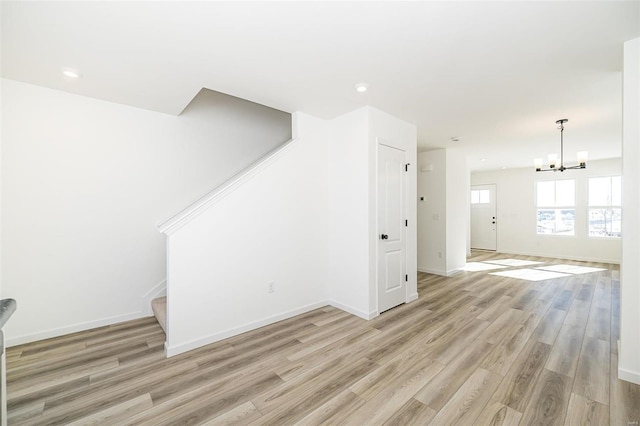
(384, 237)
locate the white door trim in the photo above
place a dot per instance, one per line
(402, 229)
(484, 219)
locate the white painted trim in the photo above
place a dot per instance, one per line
(354, 311)
(629, 376)
(439, 271)
(196, 343)
(431, 271)
(159, 290)
(185, 216)
(19, 340)
(412, 297)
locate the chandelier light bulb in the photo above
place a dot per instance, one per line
(538, 163)
(583, 156)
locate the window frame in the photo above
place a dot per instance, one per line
(557, 208)
(610, 206)
(480, 193)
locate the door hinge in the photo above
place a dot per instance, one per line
(406, 222)
(406, 167)
(406, 278)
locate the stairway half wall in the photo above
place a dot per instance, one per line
(258, 254)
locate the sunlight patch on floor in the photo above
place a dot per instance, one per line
(480, 266)
(530, 274)
(570, 269)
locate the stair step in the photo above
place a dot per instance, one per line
(159, 307)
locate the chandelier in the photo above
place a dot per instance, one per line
(553, 158)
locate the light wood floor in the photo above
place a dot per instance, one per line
(473, 349)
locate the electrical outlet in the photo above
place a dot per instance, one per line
(271, 287)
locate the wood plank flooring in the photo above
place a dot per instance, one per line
(474, 349)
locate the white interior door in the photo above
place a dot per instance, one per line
(483, 217)
(392, 274)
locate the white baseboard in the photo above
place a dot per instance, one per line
(354, 311)
(159, 290)
(629, 376)
(55, 332)
(438, 271)
(145, 311)
(193, 344)
(431, 271)
(196, 343)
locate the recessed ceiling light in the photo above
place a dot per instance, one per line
(71, 73)
(362, 87)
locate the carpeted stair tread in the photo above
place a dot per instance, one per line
(159, 307)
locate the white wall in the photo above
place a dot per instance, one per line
(516, 209)
(237, 132)
(315, 236)
(629, 357)
(272, 228)
(443, 204)
(1, 137)
(457, 198)
(84, 183)
(389, 130)
(349, 274)
(432, 211)
(353, 231)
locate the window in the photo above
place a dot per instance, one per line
(556, 207)
(480, 196)
(605, 201)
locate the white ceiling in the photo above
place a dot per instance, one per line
(495, 74)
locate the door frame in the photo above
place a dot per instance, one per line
(407, 296)
(494, 189)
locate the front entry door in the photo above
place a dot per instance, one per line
(483, 217)
(392, 272)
